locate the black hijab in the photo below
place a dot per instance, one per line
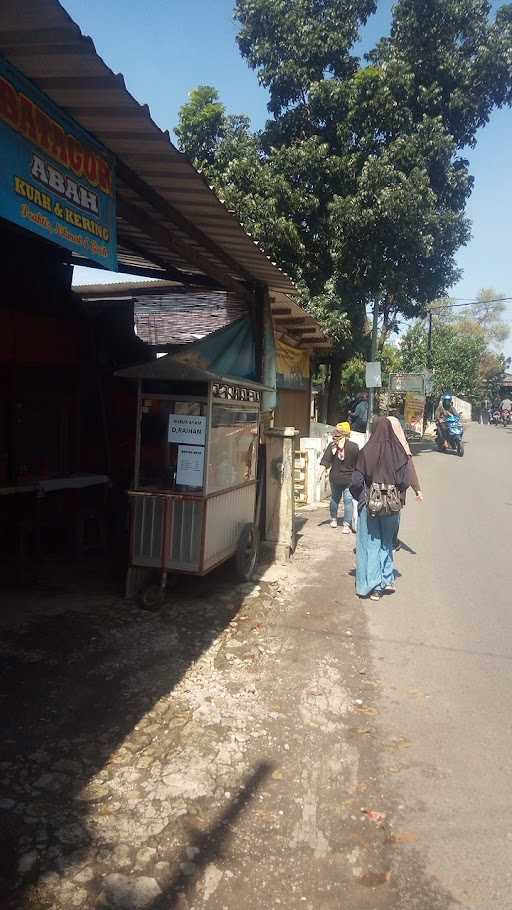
(383, 459)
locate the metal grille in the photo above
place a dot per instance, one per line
(187, 523)
(226, 516)
(148, 530)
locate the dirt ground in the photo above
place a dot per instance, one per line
(224, 753)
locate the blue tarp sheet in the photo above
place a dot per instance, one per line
(229, 352)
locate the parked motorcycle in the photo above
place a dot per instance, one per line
(454, 435)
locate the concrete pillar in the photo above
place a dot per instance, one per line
(280, 505)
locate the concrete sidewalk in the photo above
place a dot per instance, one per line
(222, 754)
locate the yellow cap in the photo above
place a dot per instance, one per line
(343, 428)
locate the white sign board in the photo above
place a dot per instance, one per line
(407, 382)
(373, 375)
(190, 469)
(187, 428)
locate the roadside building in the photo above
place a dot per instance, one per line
(89, 179)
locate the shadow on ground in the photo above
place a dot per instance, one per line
(76, 678)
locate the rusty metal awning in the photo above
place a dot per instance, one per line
(170, 223)
(169, 369)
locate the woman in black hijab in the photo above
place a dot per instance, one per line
(382, 461)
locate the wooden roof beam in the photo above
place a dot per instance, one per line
(168, 211)
(290, 320)
(171, 272)
(166, 238)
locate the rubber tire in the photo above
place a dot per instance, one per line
(460, 448)
(246, 556)
(153, 596)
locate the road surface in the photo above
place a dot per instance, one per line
(443, 650)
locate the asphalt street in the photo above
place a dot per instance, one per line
(443, 651)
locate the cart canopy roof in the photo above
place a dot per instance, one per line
(174, 370)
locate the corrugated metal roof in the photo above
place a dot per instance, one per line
(187, 227)
(168, 368)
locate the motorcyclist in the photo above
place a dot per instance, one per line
(506, 405)
(359, 415)
(444, 409)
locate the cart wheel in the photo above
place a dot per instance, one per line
(153, 595)
(246, 555)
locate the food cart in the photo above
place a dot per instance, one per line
(194, 497)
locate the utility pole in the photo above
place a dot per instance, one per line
(430, 362)
(429, 409)
(375, 338)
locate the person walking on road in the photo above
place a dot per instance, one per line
(382, 461)
(415, 484)
(340, 459)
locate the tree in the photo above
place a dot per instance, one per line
(392, 130)
(202, 125)
(493, 368)
(357, 184)
(353, 378)
(484, 322)
(484, 317)
(457, 60)
(457, 358)
(296, 44)
(224, 148)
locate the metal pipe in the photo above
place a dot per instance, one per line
(375, 338)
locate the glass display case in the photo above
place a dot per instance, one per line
(194, 496)
(165, 462)
(233, 446)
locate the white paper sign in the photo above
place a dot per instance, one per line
(190, 467)
(187, 428)
(373, 375)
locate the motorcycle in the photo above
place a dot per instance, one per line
(454, 435)
(506, 417)
(495, 417)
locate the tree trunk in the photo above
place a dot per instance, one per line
(333, 400)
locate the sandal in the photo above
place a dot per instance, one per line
(376, 595)
(389, 589)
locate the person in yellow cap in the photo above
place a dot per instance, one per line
(340, 459)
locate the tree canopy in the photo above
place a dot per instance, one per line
(485, 317)
(467, 348)
(357, 185)
(456, 358)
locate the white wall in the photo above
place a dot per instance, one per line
(318, 489)
(463, 406)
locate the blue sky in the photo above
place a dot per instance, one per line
(165, 48)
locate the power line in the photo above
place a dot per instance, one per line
(449, 306)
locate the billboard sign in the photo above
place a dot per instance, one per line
(55, 179)
(407, 382)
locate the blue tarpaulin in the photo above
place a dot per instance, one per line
(229, 352)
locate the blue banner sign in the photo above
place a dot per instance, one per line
(55, 179)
